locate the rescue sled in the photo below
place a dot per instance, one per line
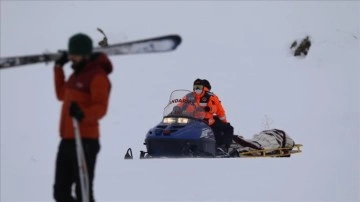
(267, 143)
(275, 152)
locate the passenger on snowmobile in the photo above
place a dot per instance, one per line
(215, 115)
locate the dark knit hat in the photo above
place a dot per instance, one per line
(80, 44)
(206, 83)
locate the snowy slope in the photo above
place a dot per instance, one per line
(241, 48)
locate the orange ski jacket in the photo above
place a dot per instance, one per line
(90, 88)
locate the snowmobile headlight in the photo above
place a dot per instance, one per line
(169, 120)
(182, 120)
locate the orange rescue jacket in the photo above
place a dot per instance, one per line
(207, 98)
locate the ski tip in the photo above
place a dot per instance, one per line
(176, 38)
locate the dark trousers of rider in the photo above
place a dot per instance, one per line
(67, 170)
(223, 133)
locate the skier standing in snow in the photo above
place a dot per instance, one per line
(84, 96)
(215, 115)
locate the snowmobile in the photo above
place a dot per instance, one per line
(182, 133)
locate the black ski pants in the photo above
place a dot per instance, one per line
(223, 133)
(67, 170)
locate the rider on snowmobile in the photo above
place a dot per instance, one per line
(215, 115)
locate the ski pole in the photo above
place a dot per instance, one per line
(83, 171)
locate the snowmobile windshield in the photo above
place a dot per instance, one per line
(182, 104)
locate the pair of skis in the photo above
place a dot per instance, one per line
(151, 45)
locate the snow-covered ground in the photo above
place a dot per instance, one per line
(242, 48)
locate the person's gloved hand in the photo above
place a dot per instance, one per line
(76, 112)
(63, 59)
(207, 108)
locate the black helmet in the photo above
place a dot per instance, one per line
(198, 82)
(203, 82)
(206, 83)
